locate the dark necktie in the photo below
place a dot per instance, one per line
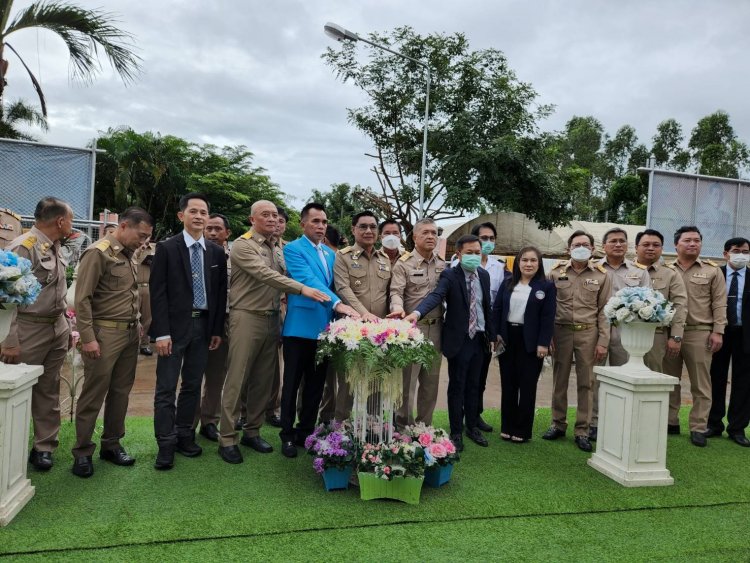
(732, 301)
(472, 307)
(199, 293)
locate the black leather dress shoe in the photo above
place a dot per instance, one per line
(673, 429)
(483, 426)
(257, 443)
(165, 458)
(240, 423)
(231, 454)
(83, 467)
(476, 436)
(698, 439)
(458, 441)
(187, 447)
(713, 432)
(583, 444)
(274, 420)
(553, 433)
(146, 351)
(288, 449)
(209, 432)
(118, 456)
(42, 461)
(740, 439)
(593, 433)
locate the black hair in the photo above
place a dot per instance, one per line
(361, 214)
(736, 241)
(613, 231)
(686, 229)
(222, 217)
(135, 216)
(579, 233)
(516, 277)
(193, 195)
(651, 233)
(282, 213)
(333, 236)
(466, 239)
(312, 205)
(388, 222)
(487, 225)
(50, 208)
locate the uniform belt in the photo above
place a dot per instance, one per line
(144, 284)
(118, 325)
(698, 327)
(576, 327)
(428, 322)
(39, 318)
(516, 324)
(660, 330)
(263, 313)
(198, 313)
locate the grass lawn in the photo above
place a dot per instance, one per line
(536, 501)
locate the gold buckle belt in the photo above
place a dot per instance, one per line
(38, 318)
(698, 327)
(429, 322)
(660, 330)
(145, 284)
(263, 313)
(118, 325)
(576, 327)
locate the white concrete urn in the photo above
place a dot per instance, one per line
(637, 338)
(6, 312)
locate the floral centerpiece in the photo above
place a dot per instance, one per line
(333, 449)
(394, 470)
(18, 284)
(639, 304)
(372, 355)
(439, 452)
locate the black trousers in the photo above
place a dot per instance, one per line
(482, 385)
(463, 382)
(299, 365)
(738, 413)
(519, 374)
(189, 357)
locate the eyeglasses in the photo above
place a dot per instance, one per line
(617, 242)
(487, 238)
(367, 227)
(581, 244)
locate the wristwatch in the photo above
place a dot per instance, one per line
(677, 339)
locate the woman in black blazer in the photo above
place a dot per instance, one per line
(524, 317)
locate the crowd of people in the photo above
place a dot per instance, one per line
(217, 317)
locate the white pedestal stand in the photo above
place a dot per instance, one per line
(15, 414)
(631, 445)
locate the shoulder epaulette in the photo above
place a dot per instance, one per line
(601, 268)
(247, 235)
(405, 256)
(102, 245)
(346, 250)
(558, 263)
(641, 266)
(670, 265)
(712, 263)
(29, 242)
(13, 214)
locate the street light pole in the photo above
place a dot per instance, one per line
(341, 34)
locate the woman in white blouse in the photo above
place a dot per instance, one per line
(524, 316)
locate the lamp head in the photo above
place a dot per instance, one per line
(339, 33)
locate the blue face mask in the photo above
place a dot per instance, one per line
(487, 246)
(470, 262)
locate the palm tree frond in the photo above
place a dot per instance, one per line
(84, 32)
(18, 112)
(34, 81)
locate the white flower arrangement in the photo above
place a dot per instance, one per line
(641, 304)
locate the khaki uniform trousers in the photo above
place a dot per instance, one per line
(107, 380)
(698, 363)
(580, 344)
(208, 409)
(274, 400)
(143, 294)
(616, 356)
(429, 382)
(45, 345)
(654, 361)
(253, 363)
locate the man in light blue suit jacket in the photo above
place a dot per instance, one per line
(309, 262)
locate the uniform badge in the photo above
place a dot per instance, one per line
(539, 295)
(700, 276)
(591, 282)
(356, 265)
(357, 283)
(46, 259)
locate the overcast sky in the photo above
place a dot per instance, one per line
(249, 72)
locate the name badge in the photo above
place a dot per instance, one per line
(356, 265)
(700, 276)
(46, 259)
(591, 282)
(539, 295)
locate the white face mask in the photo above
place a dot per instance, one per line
(580, 253)
(739, 260)
(391, 242)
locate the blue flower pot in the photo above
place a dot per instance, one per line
(336, 479)
(438, 475)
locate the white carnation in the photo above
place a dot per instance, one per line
(624, 315)
(646, 312)
(10, 273)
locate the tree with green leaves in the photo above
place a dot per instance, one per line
(715, 148)
(342, 202)
(16, 114)
(484, 150)
(84, 33)
(668, 147)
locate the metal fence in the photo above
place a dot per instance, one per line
(30, 171)
(719, 207)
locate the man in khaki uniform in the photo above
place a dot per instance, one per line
(208, 410)
(362, 276)
(581, 330)
(704, 329)
(667, 340)
(40, 333)
(143, 258)
(414, 276)
(623, 273)
(107, 318)
(258, 281)
(389, 232)
(10, 227)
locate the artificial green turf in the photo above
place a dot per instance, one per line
(532, 501)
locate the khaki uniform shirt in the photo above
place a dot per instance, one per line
(707, 294)
(362, 282)
(668, 282)
(258, 274)
(627, 274)
(10, 227)
(106, 287)
(412, 279)
(48, 266)
(581, 297)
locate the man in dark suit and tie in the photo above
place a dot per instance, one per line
(309, 262)
(188, 288)
(736, 349)
(467, 333)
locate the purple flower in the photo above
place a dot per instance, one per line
(310, 441)
(319, 465)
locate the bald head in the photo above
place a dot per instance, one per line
(264, 216)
